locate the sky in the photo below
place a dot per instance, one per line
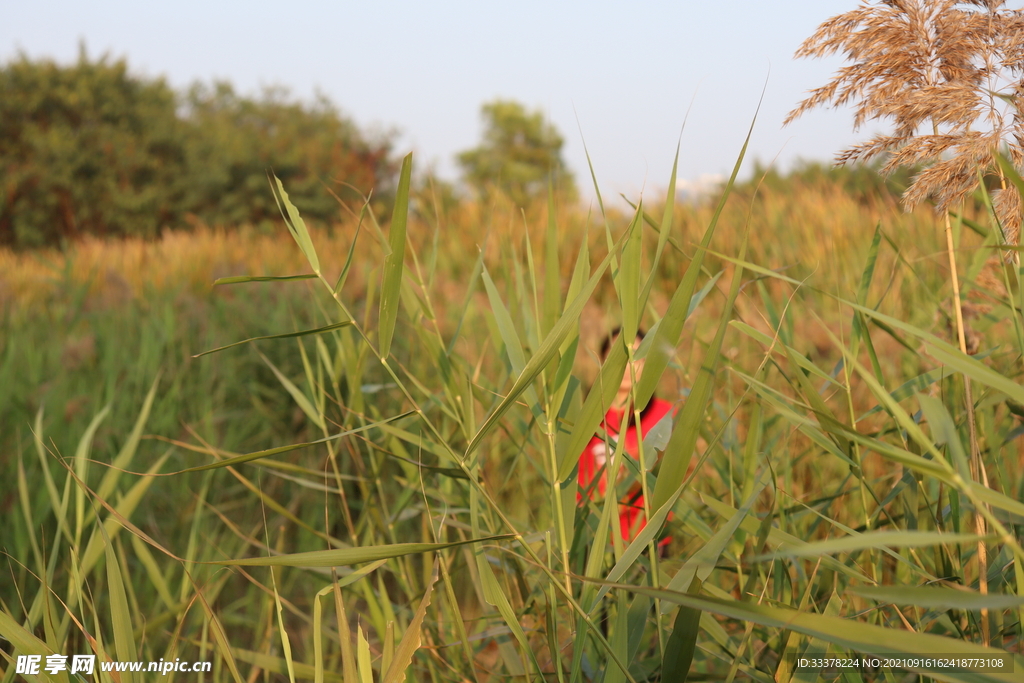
(617, 79)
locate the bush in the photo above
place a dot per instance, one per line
(92, 149)
(235, 140)
(86, 149)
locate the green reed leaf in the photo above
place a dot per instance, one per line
(682, 642)
(300, 397)
(872, 540)
(341, 557)
(256, 455)
(507, 330)
(391, 280)
(235, 279)
(26, 643)
(676, 460)
(296, 226)
(594, 408)
(120, 614)
(124, 457)
(629, 277)
(664, 230)
(671, 328)
(934, 597)
(286, 335)
(552, 271)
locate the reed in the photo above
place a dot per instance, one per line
(415, 518)
(414, 514)
(935, 69)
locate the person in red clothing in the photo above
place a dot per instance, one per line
(597, 454)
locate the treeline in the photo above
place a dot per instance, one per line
(91, 148)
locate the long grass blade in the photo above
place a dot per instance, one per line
(236, 279)
(25, 643)
(124, 457)
(682, 643)
(664, 229)
(300, 397)
(873, 540)
(286, 335)
(256, 455)
(671, 328)
(629, 276)
(120, 614)
(932, 597)
(296, 226)
(394, 263)
(342, 557)
(679, 451)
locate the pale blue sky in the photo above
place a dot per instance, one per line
(627, 71)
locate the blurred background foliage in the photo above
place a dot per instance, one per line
(519, 153)
(91, 148)
(863, 181)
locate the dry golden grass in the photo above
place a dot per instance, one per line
(825, 243)
(822, 228)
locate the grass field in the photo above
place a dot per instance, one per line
(416, 517)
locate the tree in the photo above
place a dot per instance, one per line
(91, 148)
(85, 149)
(520, 151)
(235, 140)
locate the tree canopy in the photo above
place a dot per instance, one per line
(91, 148)
(519, 152)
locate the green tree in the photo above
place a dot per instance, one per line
(93, 149)
(520, 151)
(235, 140)
(85, 149)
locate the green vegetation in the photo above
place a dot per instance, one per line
(816, 491)
(92, 149)
(355, 459)
(519, 154)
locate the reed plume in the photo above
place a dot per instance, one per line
(947, 74)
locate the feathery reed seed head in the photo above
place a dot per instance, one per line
(948, 75)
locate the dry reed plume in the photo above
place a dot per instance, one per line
(948, 75)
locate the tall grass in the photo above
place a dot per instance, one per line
(419, 520)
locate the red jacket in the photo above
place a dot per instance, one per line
(596, 454)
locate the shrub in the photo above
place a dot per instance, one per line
(92, 149)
